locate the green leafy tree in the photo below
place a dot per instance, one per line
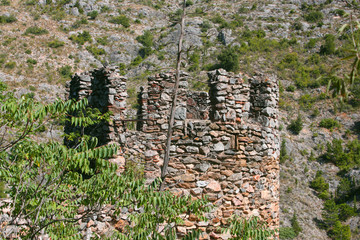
(246, 229)
(340, 231)
(48, 182)
(229, 60)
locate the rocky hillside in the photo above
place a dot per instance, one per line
(43, 42)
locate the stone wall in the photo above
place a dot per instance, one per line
(225, 143)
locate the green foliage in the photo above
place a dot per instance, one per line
(7, 19)
(320, 185)
(4, 3)
(47, 184)
(102, 40)
(31, 61)
(329, 45)
(229, 59)
(340, 231)
(136, 61)
(246, 229)
(329, 123)
(147, 40)
(194, 61)
(205, 26)
(307, 101)
(81, 38)
(10, 65)
(65, 71)
(36, 31)
(345, 158)
(314, 16)
(122, 19)
(56, 43)
(95, 50)
(283, 153)
(93, 14)
(295, 225)
(287, 233)
(290, 88)
(311, 44)
(296, 125)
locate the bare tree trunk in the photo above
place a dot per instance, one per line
(173, 105)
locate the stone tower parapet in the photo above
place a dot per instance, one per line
(225, 144)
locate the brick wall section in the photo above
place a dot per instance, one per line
(225, 144)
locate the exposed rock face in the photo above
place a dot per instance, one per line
(225, 143)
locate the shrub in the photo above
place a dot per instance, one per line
(329, 45)
(319, 184)
(102, 40)
(340, 231)
(65, 71)
(122, 19)
(329, 123)
(314, 16)
(31, 61)
(147, 39)
(10, 65)
(56, 43)
(7, 19)
(296, 125)
(93, 14)
(205, 26)
(311, 43)
(295, 225)
(4, 3)
(95, 50)
(307, 101)
(286, 233)
(229, 60)
(136, 61)
(81, 38)
(344, 158)
(36, 31)
(283, 152)
(290, 88)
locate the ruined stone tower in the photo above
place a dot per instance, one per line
(225, 143)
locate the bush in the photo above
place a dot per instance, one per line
(314, 16)
(296, 125)
(283, 152)
(10, 65)
(4, 3)
(102, 40)
(329, 45)
(36, 31)
(93, 14)
(31, 61)
(295, 225)
(340, 231)
(136, 61)
(81, 38)
(286, 233)
(307, 101)
(329, 123)
(7, 19)
(290, 88)
(147, 39)
(229, 60)
(95, 50)
(344, 158)
(122, 19)
(320, 185)
(65, 71)
(311, 43)
(56, 43)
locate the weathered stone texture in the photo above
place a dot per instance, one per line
(225, 143)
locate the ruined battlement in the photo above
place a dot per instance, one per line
(225, 143)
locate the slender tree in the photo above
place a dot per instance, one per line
(174, 100)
